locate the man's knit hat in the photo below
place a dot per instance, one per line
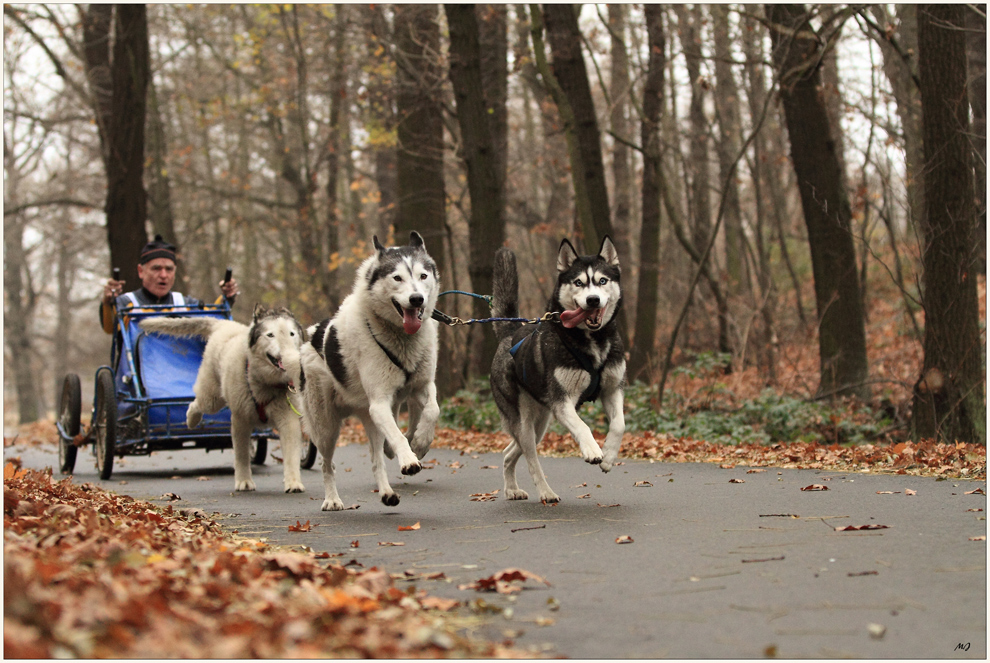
(157, 248)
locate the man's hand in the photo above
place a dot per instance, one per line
(112, 289)
(230, 290)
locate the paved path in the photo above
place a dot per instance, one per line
(712, 571)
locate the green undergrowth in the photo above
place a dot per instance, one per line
(712, 413)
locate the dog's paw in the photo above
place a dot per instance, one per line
(389, 452)
(332, 505)
(294, 487)
(593, 458)
(605, 466)
(390, 499)
(193, 419)
(516, 494)
(245, 485)
(411, 469)
(549, 498)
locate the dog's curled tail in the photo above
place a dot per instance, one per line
(181, 326)
(505, 291)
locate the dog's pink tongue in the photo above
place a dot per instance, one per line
(410, 321)
(571, 319)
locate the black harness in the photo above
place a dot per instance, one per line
(584, 360)
(391, 355)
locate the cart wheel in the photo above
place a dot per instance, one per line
(309, 458)
(259, 450)
(69, 410)
(105, 423)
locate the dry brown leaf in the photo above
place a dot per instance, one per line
(815, 486)
(855, 528)
(300, 527)
(391, 543)
(737, 481)
(625, 538)
(409, 528)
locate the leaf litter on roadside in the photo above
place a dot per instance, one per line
(92, 574)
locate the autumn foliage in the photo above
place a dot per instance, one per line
(90, 574)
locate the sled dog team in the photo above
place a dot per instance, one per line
(380, 351)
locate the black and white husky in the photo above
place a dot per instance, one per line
(254, 370)
(554, 367)
(378, 351)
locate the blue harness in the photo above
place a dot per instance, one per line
(586, 362)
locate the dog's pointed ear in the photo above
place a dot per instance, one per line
(566, 255)
(259, 310)
(378, 246)
(608, 252)
(416, 241)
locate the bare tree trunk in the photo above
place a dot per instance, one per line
(619, 90)
(160, 189)
(976, 82)
(338, 99)
(572, 76)
(649, 247)
(126, 205)
(841, 331)
(482, 159)
(380, 102)
(949, 401)
(727, 108)
(19, 299)
(421, 195)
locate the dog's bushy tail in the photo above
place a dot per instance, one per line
(505, 292)
(178, 326)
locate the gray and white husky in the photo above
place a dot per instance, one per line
(256, 372)
(378, 351)
(554, 367)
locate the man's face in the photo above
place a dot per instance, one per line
(157, 276)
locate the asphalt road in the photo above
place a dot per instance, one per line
(715, 569)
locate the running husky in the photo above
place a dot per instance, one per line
(256, 372)
(554, 367)
(378, 351)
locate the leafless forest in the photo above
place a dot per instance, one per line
(797, 191)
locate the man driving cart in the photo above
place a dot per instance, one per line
(156, 270)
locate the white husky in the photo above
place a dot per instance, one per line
(378, 351)
(256, 372)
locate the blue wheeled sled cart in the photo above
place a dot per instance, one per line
(140, 399)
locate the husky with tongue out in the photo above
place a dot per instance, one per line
(550, 369)
(377, 352)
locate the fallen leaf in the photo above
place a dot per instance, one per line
(204, 478)
(737, 481)
(326, 555)
(171, 497)
(754, 471)
(978, 538)
(299, 527)
(815, 486)
(581, 485)
(977, 510)
(978, 491)
(485, 497)
(355, 544)
(886, 492)
(607, 506)
(856, 528)
(625, 538)
(437, 603)
(728, 466)
(908, 491)
(643, 484)
(500, 582)
(391, 543)
(409, 528)
(584, 497)
(489, 467)
(544, 621)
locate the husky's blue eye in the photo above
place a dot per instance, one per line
(579, 283)
(603, 281)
